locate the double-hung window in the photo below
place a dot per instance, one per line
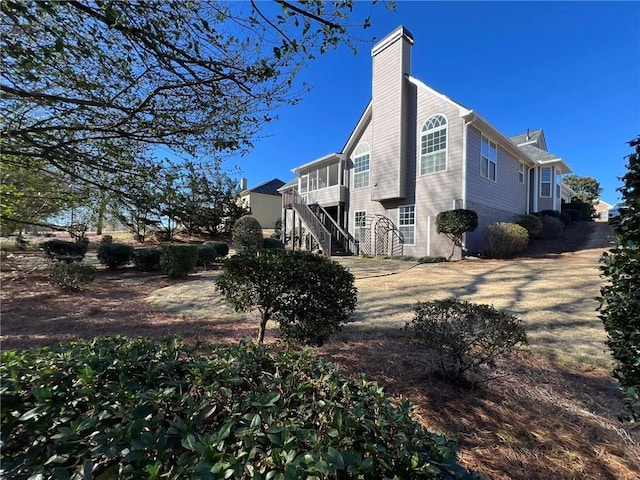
(361, 166)
(545, 182)
(407, 224)
(488, 159)
(521, 172)
(359, 224)
(433, 145)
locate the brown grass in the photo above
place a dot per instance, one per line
(550, 415)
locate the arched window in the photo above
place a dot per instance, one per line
(361, 166)
(433, 145)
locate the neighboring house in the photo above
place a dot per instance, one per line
(264, 201)
(602, 209)
(413, 154)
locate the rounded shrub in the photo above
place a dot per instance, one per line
(273, 243)
(146, 259)
(247, 234)
(114, 255)
(106, 239)
(505, 240)
(576, 215)
(123, 408)
(565, 218)
(178, 260)
(207, 255)
(309, 296)
(71, 276)
(221, 247)
(532, 223)
(549, 213)
(552, 227)
(586, 209)
(464, 336)
(62, 248)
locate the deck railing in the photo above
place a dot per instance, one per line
(317, 229)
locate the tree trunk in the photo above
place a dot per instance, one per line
(263, 326)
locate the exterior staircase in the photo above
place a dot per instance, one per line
(325, 231)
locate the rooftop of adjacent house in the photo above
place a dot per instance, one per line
(267, 188)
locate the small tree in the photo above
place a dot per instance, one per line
(247, 234)
(620, 301)
(454, 224)
(309, 296)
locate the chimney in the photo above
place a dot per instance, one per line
(391, 58)
(243, 184)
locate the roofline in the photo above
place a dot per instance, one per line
(366, 115)
(557, 162)
(325, 158)
(473, 118)
(463, 110)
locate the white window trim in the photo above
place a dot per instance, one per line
(422, 133)
(368, 170)
(521, 172)
(488, 177)
(550, 182)
(355, 223)
(415, 231)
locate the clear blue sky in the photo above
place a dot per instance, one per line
(572, 68)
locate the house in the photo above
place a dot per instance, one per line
(413, 154)
(601, 209)
(264, 201)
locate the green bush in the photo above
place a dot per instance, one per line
(431, 259)
(62, 248)
(576, 215)
(247, 234)
(309, 296)
(549, 213)
(178, 260)
(106, 239)
(221, 247)
(71, 276)
(505, 240)
(464, 336)
(552, 227)
(565, 218)
(271, 243)
(207, 255)
(531, 223)
(620, 301)
(114, 255)
(454, 224)
(146, 259)
(587, 211)
(132, 408)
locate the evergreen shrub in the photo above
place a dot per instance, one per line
(273, 243)
(221, 247)
(123, 408)
(71, 276)
(146, 259)
(576, 215)
(552, 227)
(454, 224)
(63, 248)
(464, 336)
(505, 240)
(532, 223)
(114, 255)
(247, 234)
(178, 260)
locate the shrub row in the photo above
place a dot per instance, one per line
(505, 240)
(62, 248)
(127, 409)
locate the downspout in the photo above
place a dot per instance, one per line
(528, 210)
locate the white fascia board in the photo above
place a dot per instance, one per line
(560, 164)
(359, 128)
(463, 111)
(485, 127)
(317, 162)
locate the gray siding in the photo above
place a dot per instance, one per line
(501, 200)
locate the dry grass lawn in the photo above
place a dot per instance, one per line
(550, 415)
